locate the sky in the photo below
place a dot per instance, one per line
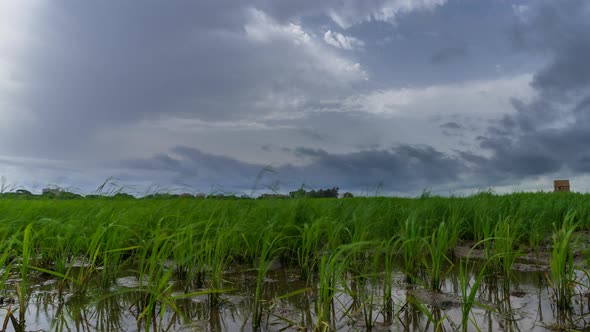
(388, 97)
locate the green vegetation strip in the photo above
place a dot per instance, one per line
(89, 242)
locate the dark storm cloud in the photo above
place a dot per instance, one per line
(189, 164)
(550, 133)
(402, 168)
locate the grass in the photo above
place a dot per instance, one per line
(193, 244)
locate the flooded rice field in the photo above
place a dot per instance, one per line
(376, 301)
(482, 263)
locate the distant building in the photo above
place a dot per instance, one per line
(561, 185)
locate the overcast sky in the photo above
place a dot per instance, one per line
(372, 96)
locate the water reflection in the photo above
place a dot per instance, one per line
(523, 303)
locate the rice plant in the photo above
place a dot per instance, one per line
(562, 263)
(411, 244)
(386, 250)
(437, 263)
(470, 286)
(176, 248)
(269, 250)
(333, 265)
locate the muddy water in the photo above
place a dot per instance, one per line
(524, 305)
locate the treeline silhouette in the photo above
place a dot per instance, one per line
(63, 194)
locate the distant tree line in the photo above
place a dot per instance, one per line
(321, 193)
(58, 193)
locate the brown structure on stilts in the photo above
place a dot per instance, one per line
(561, 185)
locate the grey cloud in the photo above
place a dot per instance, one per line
(550, 133)
(112, 65)
(109, 64)
(452, 129)
(350, 13)
(402, 168)
(184, 165)
(448, 54)
(451, 125)
(308, 152)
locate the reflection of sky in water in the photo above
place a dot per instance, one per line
(527, 306)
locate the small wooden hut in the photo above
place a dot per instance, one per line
(561, 185)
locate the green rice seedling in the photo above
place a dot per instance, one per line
(113, 253)
(88, 242)
(562, 263)
(56, 243)
(368, 300)
(187, 256)
(291, 323)
(269, 250)
(5, 265)
(26, 245)
(434, 316)
(156, 285)
(314, 238)
(154, 278)
(438, 245)
(6, 248)
(84, 264)
(332, 267)
(505, 252)
(469, 289)
(486, 235)
(411, 243)
(387, 252)
(363, 272)
(536, 232)
(455, 231)
(217, 257)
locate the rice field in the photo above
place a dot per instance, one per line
(480, 263)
